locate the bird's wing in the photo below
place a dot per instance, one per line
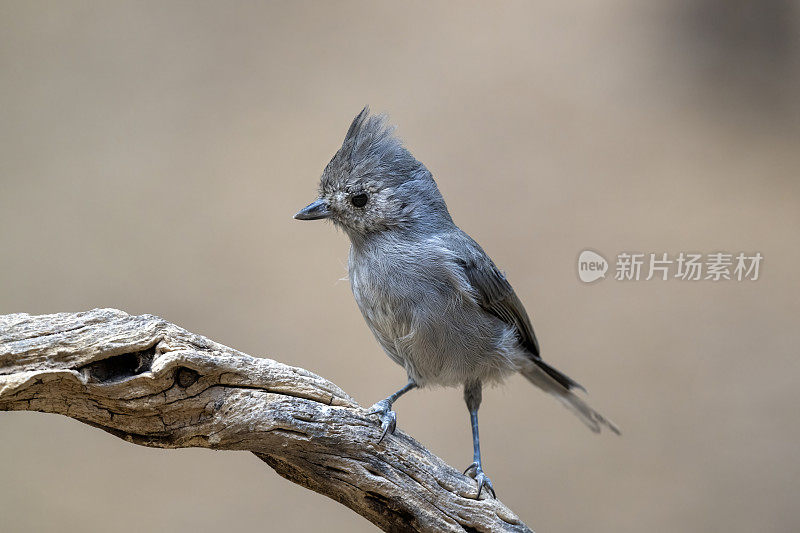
(496, 296)
(494, 292)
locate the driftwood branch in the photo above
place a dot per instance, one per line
(152, 383)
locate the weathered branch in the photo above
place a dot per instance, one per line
(155, 384)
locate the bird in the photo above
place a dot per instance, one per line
(434, 300)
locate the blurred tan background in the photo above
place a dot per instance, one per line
(152, 154)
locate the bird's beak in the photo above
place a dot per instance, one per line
(313, 211)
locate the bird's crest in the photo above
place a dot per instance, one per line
(370, 148)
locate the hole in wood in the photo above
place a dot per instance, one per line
(119, 367)
(186, 377)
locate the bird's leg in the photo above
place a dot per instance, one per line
(384, 409)
(472, 396)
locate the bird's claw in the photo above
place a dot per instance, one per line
(476, 472)
(388, 417)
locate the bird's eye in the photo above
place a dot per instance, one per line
(359, 200)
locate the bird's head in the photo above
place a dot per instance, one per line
(373, 184)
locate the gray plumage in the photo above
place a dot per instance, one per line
(434, 300)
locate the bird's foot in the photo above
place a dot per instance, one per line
(476, 472)
(388, 417)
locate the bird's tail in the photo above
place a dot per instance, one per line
(559, 385)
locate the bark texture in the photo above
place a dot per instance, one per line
(153, 383)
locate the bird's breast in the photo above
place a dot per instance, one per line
(417, 307)
(381, 304)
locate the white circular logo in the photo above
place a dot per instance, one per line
(591, 266)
